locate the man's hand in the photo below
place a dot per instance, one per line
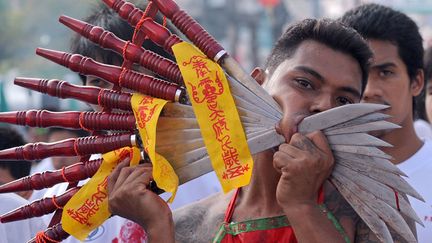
(305, 163)
(129, 197)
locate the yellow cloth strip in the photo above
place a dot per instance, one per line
(217, 116)
(147, 110)
(88, 208)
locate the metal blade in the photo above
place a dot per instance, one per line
(384, 193)
(392, 180)
(358, 139)
(367, 161)
(366, 127)
(384, 211)
(337, 116)
(364, 150)
(369, 217)
(372, 117)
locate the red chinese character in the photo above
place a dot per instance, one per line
(230, 158)
(219, 127)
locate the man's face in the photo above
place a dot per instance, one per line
(389, 83)
(428, 101)
(316, 78)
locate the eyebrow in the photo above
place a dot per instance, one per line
(383, 65)
(318, 76)
(310, 71)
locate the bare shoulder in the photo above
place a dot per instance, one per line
(199, 221)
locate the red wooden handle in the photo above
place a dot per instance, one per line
(145, 84)
(71, 119)
(55, 233)
(148, 59)
(39, 207)
(93, 95)
(188, 26)
(47, 179)
(128, 11)
(69, 147)
(156, 32)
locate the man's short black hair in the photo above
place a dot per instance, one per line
(11, 138)
(108, 19)
(420, 107)
(331, 33)
(374, 21)
(428, 64)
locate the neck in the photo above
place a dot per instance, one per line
(404, 140)
(258, 199)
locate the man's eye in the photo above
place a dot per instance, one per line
(304, 83)
(385, 73)
(98, 83)
(344, 101)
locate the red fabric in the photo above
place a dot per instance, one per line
(283, 234)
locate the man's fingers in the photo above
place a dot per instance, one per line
(112, 178)
(320, 140)
(140, 175)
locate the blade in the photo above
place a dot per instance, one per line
(366, 127)
(392, 180)
(369, 217)
(384, 211)
(358, 139)
(361, 120)
(337, 116)
(384, 193)
(365, 161)
(363, 150)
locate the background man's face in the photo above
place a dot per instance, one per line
(389, 82)
(316, 78)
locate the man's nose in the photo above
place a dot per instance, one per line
(372, 91)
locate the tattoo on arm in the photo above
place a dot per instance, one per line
(193, 225)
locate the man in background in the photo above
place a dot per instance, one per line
(395, 77)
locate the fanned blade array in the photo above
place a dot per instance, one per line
(363, 173)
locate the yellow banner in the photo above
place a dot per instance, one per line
(147, 110)
(217, 116)
(88, 208)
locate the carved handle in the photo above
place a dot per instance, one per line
(156, 32)
(128, 79)
(39, 207)
(128, 11)
(69, 147)
(93, 95)
(71, 119)
(148, 59)
(188, 26)
(55, 233)
(47, 179)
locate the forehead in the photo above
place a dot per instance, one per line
(337, 68)
(385, 52)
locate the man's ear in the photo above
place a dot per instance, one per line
(417, 83)
(259, 75)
